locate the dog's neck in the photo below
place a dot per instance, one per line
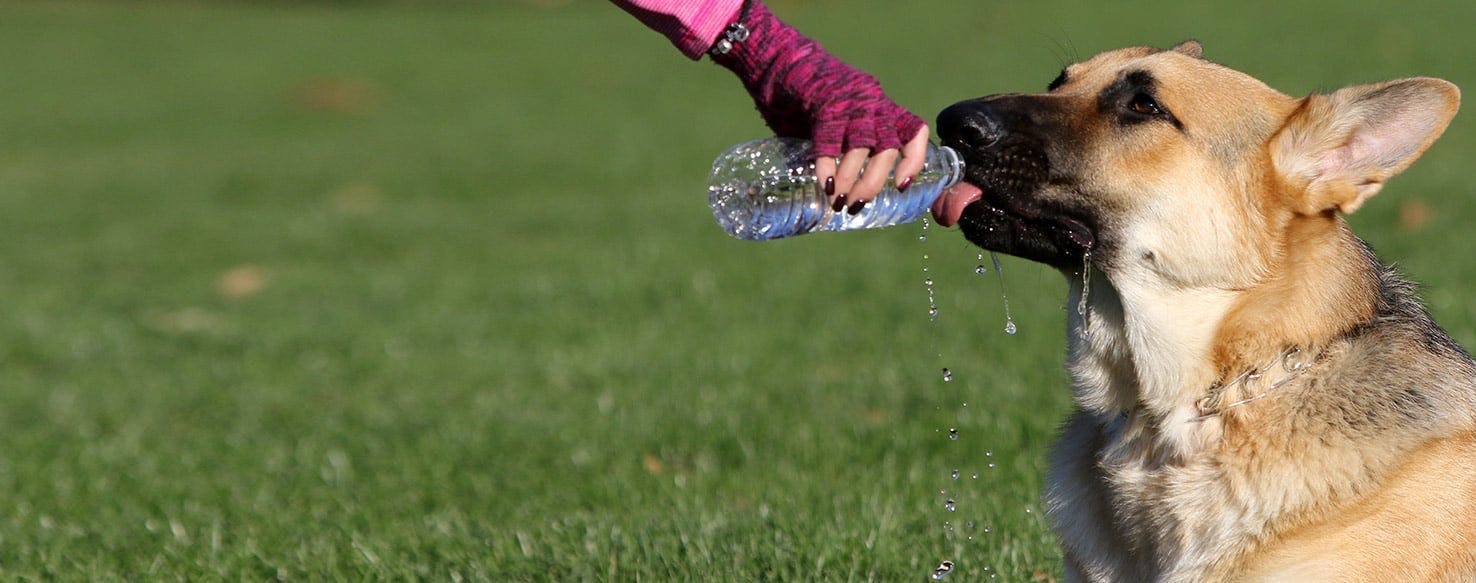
(1153, 351)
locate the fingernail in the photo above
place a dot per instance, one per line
(856, 208)
(906, 182)
(840, 203)
(829, 185)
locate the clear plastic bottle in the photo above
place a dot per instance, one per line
(766, 189)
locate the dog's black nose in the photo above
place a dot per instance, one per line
(972, 124)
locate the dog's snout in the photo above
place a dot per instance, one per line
(972, 124)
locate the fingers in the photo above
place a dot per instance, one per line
(846, 175)
(825, 177)
(914, 154)
(873, 180)
(859, 175)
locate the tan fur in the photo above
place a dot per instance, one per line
(1311, 294)
(1416, 527)
(1220, 252)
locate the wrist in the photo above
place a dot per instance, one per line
(766, 44)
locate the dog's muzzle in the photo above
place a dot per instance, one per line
(1001, 205)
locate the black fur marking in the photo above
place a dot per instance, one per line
(1058, 82)
(1114, 99)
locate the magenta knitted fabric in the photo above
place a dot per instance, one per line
(691, 25)
(804, 92)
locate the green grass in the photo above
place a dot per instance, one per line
(498, 336)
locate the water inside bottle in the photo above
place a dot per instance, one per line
(766, 189)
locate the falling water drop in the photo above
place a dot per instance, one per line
(953, 434)
(942, 570)
(955, 474)
(1086, 284)
(1086, 290)
(950, 505)
(999, 274)
(947, 375)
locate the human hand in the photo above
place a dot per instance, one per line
(804, 92)
(847, 186)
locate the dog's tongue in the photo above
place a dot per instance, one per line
(951, 202)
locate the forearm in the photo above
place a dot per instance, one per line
(802, 91)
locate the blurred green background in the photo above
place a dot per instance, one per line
(430, 290)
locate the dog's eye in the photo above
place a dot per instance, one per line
(1143, 104)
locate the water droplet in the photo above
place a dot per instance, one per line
(952, 434)
(950, 506)
(988, 530)
(988, 453)
(932, 312)
(1028, 510)
(976, 475)
(955, 474)
(991, 465)
(969, 525)
(1086, 284)
(947, 374)
(942, 570)
(981, 270)
(922, 237)
(999, 274)
(928, 281)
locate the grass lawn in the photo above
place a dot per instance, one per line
(420, 290)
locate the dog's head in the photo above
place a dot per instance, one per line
(1174, 167)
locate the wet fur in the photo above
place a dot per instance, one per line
(1219, 246)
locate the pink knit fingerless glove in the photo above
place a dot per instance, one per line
(804, 92)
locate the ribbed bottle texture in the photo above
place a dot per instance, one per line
(766, 189)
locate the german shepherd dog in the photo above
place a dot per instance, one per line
(1257, 397)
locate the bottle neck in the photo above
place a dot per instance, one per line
(950, 166)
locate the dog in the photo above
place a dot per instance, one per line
(1257, 397)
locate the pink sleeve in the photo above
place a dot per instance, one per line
(692, 25)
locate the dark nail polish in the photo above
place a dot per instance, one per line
(856, 208)
(829, 185)
(840, 203)
(906, 182)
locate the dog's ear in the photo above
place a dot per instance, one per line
(1189, 47)
(1342, 146)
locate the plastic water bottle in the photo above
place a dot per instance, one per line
(766, 189)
